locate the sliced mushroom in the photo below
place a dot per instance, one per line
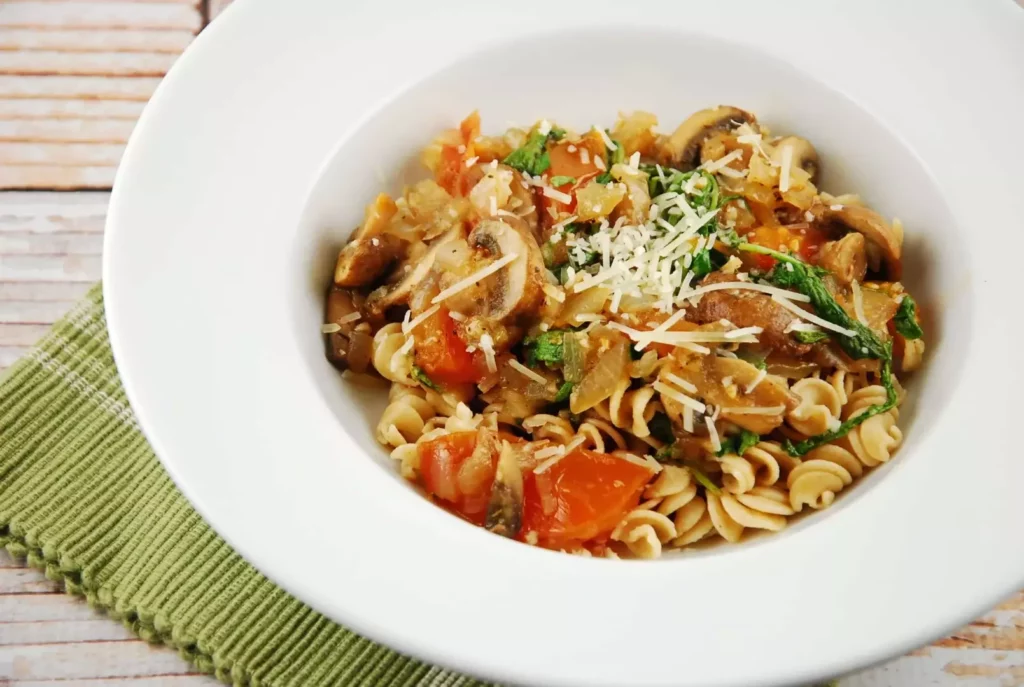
(505, 508)
(406, 277)
(682, 149)
(846, 258)
(516, 288)
(804, 155)
(884, 244)
(364, 260)
(348, 347)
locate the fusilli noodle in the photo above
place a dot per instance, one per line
(392, 354)
(874, 440)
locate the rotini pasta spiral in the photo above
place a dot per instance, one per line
(404, 417)
(551, 427)
(630, 410)
(755, 467)
(819, 408)
(644, 532)
(874, 440)
(392, 354)
(763, 508)
(594, 430)
(674, 493)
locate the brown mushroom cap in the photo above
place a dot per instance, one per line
(682, 149)
(364, 260)
(517, 287)
(407, 276)
(804, 154)
(884, 244)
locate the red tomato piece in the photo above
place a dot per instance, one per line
(449, 170)
(469, 128)
(441, 353)
(448, 473)
(581, 497)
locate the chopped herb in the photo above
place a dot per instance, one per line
(906, 319)
(707, 261)
(420, 376)
(589, 258)
(557, 133)
(807, 279)
(739, 443)
(546, 347)
(661, 428)
(810, 337)
(561, 180)
(614, 156)
(703, 479)
(563, 392)
(532, 157)
(801, 447)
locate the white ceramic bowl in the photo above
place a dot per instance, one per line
(251, 166)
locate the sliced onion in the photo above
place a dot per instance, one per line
(601, 380)
(586, 302)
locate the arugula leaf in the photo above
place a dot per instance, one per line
(801, 447)
(810, 337)
(563, 392)
(807, 280)
(906, 319)
(661, 428)
(561, 180)
(546, 347)
(532, 157)
(420, 376)
(707, 261)
(739, 443)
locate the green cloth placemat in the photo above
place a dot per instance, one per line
(83, 496)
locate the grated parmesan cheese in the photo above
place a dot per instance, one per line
(487, 346)
(470, 161)
(555, 194)
(551, 454)
(787, 163)
(721, 162)
(482, 273)
(811, 317)
(330, 328)
(681, 383)
(526, 372)
(679, 396)
(761, 374)
(410, 325)
(716, 443)
(688, 419)
(608, 142)
(457, 316)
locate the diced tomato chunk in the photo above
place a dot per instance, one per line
(469, 128)
(449, 171)
(581, 497)
(447, 473)
(803, 240)
(441, 353)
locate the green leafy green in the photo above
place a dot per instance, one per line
(563, 392)
(906, 319)
(557, 133)
(669, 456)
(560, 180)
(707, 261)
(802, 447)
(613, 156)
(573, 358)
(420, 376)
(661, 428)
(547, 347)
(810, 337)
(807, 279)
(739, 443)
(532, 157)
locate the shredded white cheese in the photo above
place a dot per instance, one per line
(688, 419)
(457, 316)
(810, 317)
(487, 346)
(787, 162)
(470, 161)
(608, 142)
(554, 193)
(681, 383)
(761, 374)
(721, 162)
(679, 396)
(483, 273)
(412, 324)
(552, 454)
(749, 286)
(716, 443)
(526, 372)
(330, 328)
(745, 331)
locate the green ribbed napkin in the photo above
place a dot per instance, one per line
(83, 496)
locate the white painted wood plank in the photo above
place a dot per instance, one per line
(156, 681)
(52, 177)
(26, 581)
(96, 40)
(86, 268)
(21, 334)
(66, 131)
(7, 562)
(63, 632)
(217, 6)
(71, 154)
(79, 111)
(41, 292)
(27, 243)
(101, 15)
(53, 212)
(34, 312)
(21, 608)
(92, 87)
(49, 62)
(89, 660)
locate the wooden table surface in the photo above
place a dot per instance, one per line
(74, 76)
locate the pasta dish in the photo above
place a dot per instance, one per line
(619, 342)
